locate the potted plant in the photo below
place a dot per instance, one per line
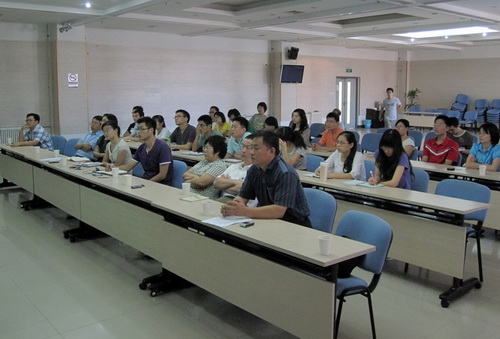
(412, 95)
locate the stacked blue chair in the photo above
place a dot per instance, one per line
(493, 114)
(369, 229)
(58, 141)
(469, 118)
(461, 103)
(416, 108)
(323, 208)
(453, 114)
(481, 106)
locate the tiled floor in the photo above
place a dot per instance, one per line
(50, 288)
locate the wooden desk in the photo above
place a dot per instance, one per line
(272, 269)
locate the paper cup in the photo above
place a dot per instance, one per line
(207, 207)
(64, 161)
(323, 171)
(115, 171)
(325, 244)
(127, 180)
(56, 153)
(186, 188)
(482, 170)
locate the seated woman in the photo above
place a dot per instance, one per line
(233, 113)
(299, 124)
(487, 151)
(403, 126)
(162, 132)
(346, 162)
(293, 148)
(221, 125)
(392, 167)
(117, 151)
(202, 175)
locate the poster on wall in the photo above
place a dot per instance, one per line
(73, 80)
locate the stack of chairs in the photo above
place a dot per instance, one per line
(481, 106)
(493, 114)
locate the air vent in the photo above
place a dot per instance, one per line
(377, 19)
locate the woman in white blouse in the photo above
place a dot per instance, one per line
(117, 151)
(346, 162)
(403, 126)
(162, 132)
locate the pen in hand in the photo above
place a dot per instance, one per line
(374, 182)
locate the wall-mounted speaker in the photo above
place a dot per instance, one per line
(293, 53)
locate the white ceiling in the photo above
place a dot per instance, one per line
(346, 23)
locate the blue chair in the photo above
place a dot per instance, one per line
(313, 162)
(69, 148)
(58, 141)
(469, 190)
(369, 229)
(316, 129)
(493, 114)
(369, 167)
(414, 155)
(382, 130)
(453, 114)
(180, 168)
(315, 140)
(370, 142)
(469, 118)
(429, 135)
(415, 108)
(417, 137)
(138, 170)
(461, 103)
(475, 139)
(432, 110)
(421, 181)
(323, 207)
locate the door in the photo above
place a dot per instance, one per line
(347, 100)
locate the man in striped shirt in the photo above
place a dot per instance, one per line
(35, 134)
(273, 182)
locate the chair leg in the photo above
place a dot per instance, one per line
(337, 321)
(372, 319)
(406, 267)
(479, 256)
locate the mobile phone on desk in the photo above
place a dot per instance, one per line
(246, 224)
(450, 168)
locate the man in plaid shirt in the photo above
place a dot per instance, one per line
(36, 135)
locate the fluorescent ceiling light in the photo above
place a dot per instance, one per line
(448, 32)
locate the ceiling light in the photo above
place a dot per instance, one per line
(485, 34)
(448, 32)
(412, 39)
(88, 4)
(446, 37)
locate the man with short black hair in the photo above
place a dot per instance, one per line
(36, 135)
(464, 139)
(441, 149)
(274, 183)
(132, 132)
(203, 131)
(85, 146)
(184, 134)
(239, 127)
(328, 141)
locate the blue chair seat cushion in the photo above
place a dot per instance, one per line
(343, 283)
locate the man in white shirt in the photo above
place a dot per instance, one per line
(390, 106)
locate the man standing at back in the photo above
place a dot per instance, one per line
(274, 183)
(390, 106)
(36, 135)
(154, 155)
(85, 146)
(183, 136)
(441, 149)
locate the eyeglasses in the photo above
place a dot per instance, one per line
(235, 127)
(439, 125)
(143, 128)
(343, 143)
(202, 125)
(30, 120)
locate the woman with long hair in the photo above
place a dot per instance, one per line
(392, 166)
(293, 148)
(299, 124)
(117, 151)
(346, 162)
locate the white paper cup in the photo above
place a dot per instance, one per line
(325, 244)
(186, 188)
(64, 161)
(127, 180)
(56, 153)
(323, 171)
(482, 169)
(9, 141)
(37, 149)
(207, 207)
(115, 171)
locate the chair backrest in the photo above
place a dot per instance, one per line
(382, 130)
(370, 142)
(429, 135)
(432, 110)
(414, 155)
(421, 181)
(316, 128)
(356, 136)
(315, 140)
(180, 168)
(58, 141)
(138, 170)
(416, 108)
(369, 229)
(323, 207)
(313, 162)
(470, 115)
(495, 104)
(369, 166)
(417, 137)
(69, 148)
(463, 99)
(475, 139)
(459, 159)
(467, 190)
(453, 113)
(481, 105)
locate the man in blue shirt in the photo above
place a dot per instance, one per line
(239, 128)
(86, 145)
(36, 135)
(273, 182)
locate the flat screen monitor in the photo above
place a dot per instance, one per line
(292, 74)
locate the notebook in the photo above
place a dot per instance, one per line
(110, 173)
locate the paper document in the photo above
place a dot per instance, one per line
(111, 173)
(192, 153)
(91, 164)
(51, 160)
(361, 183)
(312, 175)
(225, 221)
(232, 160)
(79, 159)
(192, 198)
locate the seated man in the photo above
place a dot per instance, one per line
(239, 128)
(328, 141)
(463, 138)
(203, 131)
(231, 180)
(183, 136)
(36, 135)
(274, 183)
(154, 155)
(441, 149)
(86, 145)
(271, 124)
(132, 132)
